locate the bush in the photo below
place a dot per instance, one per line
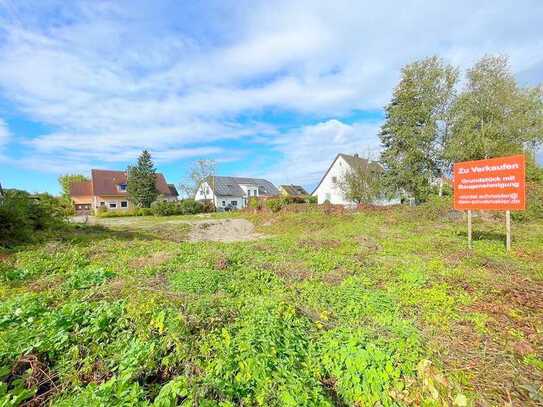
(275, 204)
(184, 207)
(534, 203)
(208, 206)
(164, 208)
(190, 207)
(22, 214)
(311, 199)
(255, 203)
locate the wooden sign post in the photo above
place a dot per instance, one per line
(496, 184)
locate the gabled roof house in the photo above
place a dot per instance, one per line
(292, 190)
(328, 190)
(108, 189)
(234, 192)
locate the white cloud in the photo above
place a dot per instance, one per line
(4, 133)
(308, 151)
(115, 77)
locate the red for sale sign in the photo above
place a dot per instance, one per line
(495, 184)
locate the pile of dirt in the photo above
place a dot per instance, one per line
(223, 230)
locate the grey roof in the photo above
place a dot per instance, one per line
(230, 186)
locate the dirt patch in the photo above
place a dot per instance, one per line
(152, 260)
(35, 374)
(291, 272)
(494, 358)
(222, 263)
(368, 243)
(456, 258)
(46, 283)
(319, 244)
(336, 276)
(224, 230)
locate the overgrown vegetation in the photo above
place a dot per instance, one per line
(381, 307)
(23, 216)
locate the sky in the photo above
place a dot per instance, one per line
(271, 89)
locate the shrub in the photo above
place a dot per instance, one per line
(275, 204)
(184, 207)
(208, 206)
(190, 207)
(534, 193)
(22, 214)
(311, 199)
(101, 212)
(255, 203)
(164, 208)
(143, 212)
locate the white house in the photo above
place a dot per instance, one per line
(328, 189)
(234, 192)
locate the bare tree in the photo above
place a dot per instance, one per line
(199, 172)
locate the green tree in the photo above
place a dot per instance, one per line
(362, 184)
(417, 126)
(142, 181)
(67, 180)
(493, 116)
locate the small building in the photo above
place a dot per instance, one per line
(292, 190)
(108, 189)
(328, 189)
(234, 192)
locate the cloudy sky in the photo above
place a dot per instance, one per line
(266, 88)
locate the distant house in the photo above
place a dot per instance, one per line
(328, 189)
(292, 190)
(233, 192)
(108, 189)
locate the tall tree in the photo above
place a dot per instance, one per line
(417, 125)
(199, 172)
(493, 116)
(67, 180)
(142, 181)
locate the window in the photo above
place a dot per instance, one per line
(234, 203)
(112, 204)
(334, 179)
(102, 204)
(122, 187)
(223, 203)
(124, 204)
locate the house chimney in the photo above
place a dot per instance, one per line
(355, 155)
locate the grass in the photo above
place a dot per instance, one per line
(378, 307)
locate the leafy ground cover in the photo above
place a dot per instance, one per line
(379, 307)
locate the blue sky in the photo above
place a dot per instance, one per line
(269, 89)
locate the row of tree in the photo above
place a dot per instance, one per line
(431, 123)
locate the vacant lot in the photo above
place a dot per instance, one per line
(311, 308)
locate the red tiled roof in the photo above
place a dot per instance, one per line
(106, 182)
(82, 188)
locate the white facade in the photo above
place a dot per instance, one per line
(205, 193)
(329, 191)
